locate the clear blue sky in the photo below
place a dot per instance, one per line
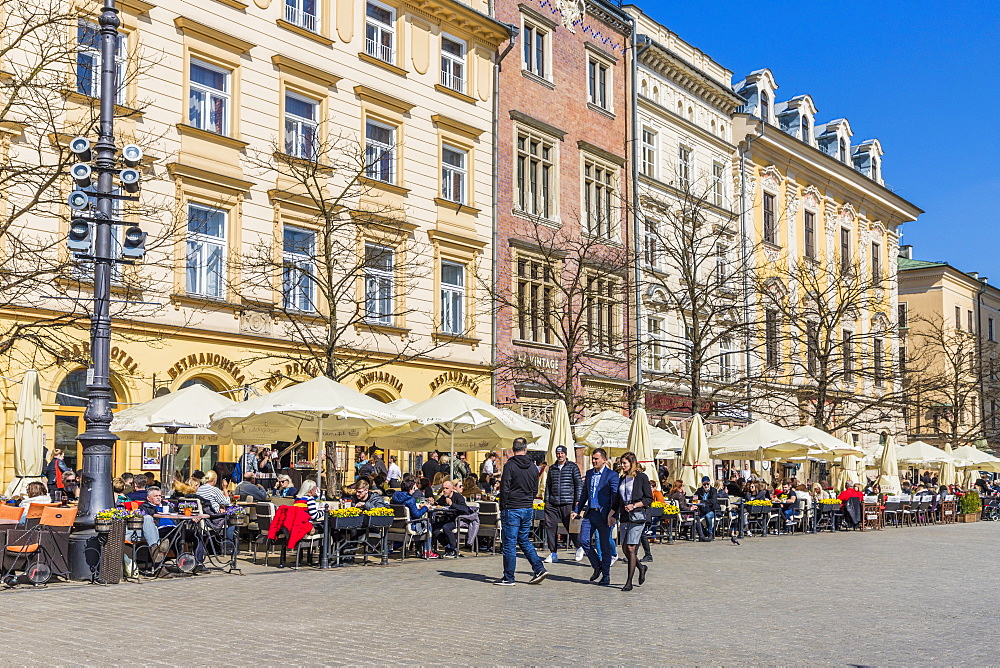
(920, 76)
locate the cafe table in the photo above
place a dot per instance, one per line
(205, 545)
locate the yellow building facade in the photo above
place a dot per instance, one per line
(215, 93)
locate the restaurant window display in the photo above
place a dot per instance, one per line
(69, 423)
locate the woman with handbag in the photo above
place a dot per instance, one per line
(634, 496)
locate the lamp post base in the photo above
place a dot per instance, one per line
(84, 555)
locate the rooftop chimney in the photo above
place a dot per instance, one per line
(906, 251)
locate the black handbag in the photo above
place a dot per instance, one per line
(638, 516)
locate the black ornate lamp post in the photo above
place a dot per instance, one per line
(91, 230)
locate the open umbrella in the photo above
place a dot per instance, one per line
(639, 442)
(317, 410)
(193, 406)
(610, 430)
(760, 440)
(919, 452)
(695, 461)
(976, 460)
(888, 469)
(833, 447)
(29, 435)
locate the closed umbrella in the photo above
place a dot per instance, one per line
(695, 461)
(560, 431)
(29, 436)
(888, 469)
(638, 438)
(948, 476)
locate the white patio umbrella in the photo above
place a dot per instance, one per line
(919, 452)
(462, 422)
(29, 436)
(193, 405)
(639, 442)
(832, 447)
(760, 440)
(948, 475)
(888, 469)
(401, 404)
(695, 461)
(610, 429)
(318, 410)
(976, 460)
(560, 431)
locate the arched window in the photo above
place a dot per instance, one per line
(680, 108)
(656, 94)
(765, 107)
(71, 397)
(204, 382)
(806, 130)
(644, 88)
(843, 150)
(691, 113)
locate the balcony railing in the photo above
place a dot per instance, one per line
(381, 51)
(301, 18)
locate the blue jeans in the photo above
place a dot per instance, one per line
(710, 521)
(587, 539)
(516, 524)
(603, 547)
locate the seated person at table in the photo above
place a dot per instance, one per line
(249, 487)
(445, 521)
(284, 487)
(708, 504)
(426, 492)
(214, 500)
(436, 485)
(37, 493)
(406, 496)
(720, 490)
(851, 492)
(471, 488)
(983, 484)
(367, 498)
(921, 492)
(198, 475)
(907, 488)
(152, 527)
(307, 494)
(755, 492)
(71, 486)
(118, 487)
(657, 494)
(128, 477)
(139, 493)
(735, 485)
(677, 496)
(470, 520)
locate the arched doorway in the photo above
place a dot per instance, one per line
(193, 456)
(71, 397)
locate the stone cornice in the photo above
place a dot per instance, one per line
(610, 16)
(668, 64)
(455, 14)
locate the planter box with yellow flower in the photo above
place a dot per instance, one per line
(656, 509)
(104, 518)
(539, 508)
(759, 506)
(378, 518)
(346, 518)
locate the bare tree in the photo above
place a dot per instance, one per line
(43, 287)
(822, 361)
(568, 293)
(699, 277)
(340, 274)
(950, 379)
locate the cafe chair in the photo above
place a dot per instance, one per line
(265, 514)
(892, 514)
(35, 511)
(42, 550)
(406, 530)
(489, 524)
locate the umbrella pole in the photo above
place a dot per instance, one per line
(324, 553)
(451, 462)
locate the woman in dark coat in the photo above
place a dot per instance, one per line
(631, 508)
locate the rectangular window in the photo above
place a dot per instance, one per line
(845, 251)
(958, 317)
(727, 359)
(771, 341)
(812, 348)
(535, 175)
(454, 174)
(876, 265)
(989, 329)
(303, 14)
(453, 64)
(380, 152)
(718, 184)
(809, 223)
(969, 319)
(380, 32)
(601, 303)
(847, 346)
(206, 252)
(380, 283)
(598, 199)
(534, 49)
(656, 356)
(535, 305)
(298, 269)
(209, 103)
(687, 350)
(301, 127)
(649, 153)
(770, 225)
(903, 315)
(993, 414)
(650, 243)
(597, 83)
(902, 359)
(723, 272)
(452, 298)
(683, 168)
(878, 361)
(88, 62)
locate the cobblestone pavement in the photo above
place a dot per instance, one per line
(896, 597)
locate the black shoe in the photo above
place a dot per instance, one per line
(597, 574)
(627, 587)
(538, 577)
(642, 574)
(605, 582)
(648, 558)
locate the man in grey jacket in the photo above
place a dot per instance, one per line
(562, 489)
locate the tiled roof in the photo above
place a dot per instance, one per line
(906, 263)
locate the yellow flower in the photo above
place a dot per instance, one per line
(538, 505)
(380, 512)
(345, 512)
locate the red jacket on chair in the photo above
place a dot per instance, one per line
(293, 518)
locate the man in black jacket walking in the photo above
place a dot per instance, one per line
(562, 489)
(518, 486)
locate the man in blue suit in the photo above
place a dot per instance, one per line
(596, 497)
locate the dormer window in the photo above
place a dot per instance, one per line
(806, 129)
(874, 169)
(765, 107)
(843, 150)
